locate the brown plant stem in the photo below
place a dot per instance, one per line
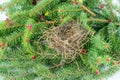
(88, 10)
(99, 20)
(102, 20)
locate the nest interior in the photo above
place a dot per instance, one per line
(67, 39)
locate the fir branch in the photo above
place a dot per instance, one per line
(68, 9)
(41, 7)
(118, 24)
(99, 20)
(111, 9)
(88, 10)
(102, 20)
(21, 76)
(28, 32)
(16, 64)
(13, 37)
(12, 4)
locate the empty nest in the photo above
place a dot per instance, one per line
(68, 39)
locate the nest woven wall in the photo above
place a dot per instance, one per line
(68, 39)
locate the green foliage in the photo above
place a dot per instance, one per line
(25, 54)
(42, 7)
(114, 38)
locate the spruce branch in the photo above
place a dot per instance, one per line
(102, 20)
(41, 30)
(111, 9)
(12, 4)
(69, 10)
(13, 37)
(41, 7)
(118, 24)
(21, 76)
(99, 20)
(89, 20)
(88, 10)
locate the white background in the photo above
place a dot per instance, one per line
(116, 76)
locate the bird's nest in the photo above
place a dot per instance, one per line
(67, 40)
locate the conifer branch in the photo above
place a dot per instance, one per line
(88, 10)
(118, 24)
(99, 20)
(42, 7)
(21, 76)
(103, 20)
(12, 4)
(14, 37)
(90, 20)
(69, 10)
(53, 39)
(110, 5)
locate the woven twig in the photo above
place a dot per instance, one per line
(67, 39)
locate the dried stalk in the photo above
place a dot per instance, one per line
(88, 10)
